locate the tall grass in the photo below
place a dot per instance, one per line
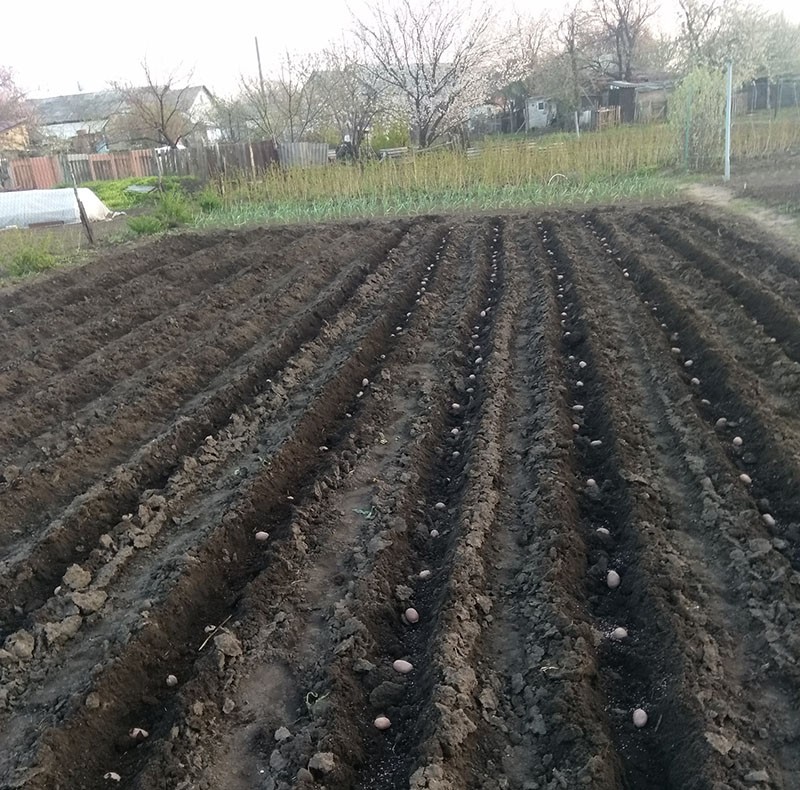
(24, 252)
(547, 170)
(622, 162)
(617, 151)
(761, 135)
(419, 201)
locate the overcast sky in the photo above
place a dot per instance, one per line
(56, 47)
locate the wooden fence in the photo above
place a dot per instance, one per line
(303, 154)
(46, 172)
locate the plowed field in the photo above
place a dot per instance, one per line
(569, 442)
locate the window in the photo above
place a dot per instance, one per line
(541, 105)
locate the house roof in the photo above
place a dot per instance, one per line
(78, 107)
(7, 126)
(100, 105)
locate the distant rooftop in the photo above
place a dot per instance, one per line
(98, 106)
(654, 85)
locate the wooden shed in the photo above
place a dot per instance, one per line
(540, 112)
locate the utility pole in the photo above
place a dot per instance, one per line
(728, 102)
(260, 73)
(260, 77)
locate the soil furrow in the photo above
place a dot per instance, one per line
(760, 364)
(773, 313)
(741, 243)
(526, 486)
(549, 723)
(73, 533)
(139, 534)
(100, 289)
(108, 430)
(354, 699)
(71, 285)
(644, 671)
(723, 551)
(212, 583)
(226, 327)
(438, 708)
(142, 327)
(315, 654)
(761, 451)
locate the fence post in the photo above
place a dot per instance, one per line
(688, 129)
(728, 97)
(64, 171)
(81, 210)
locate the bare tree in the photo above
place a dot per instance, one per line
(569, 35)
(230, 114)
(781, 46)
(657, 51)
(259, 109)
(623, 22)
(286, 105)
(13, 107)
(758, 43)
(433, 55)
(351, 93)
(158, 111)
(701, 27)
(523, 48)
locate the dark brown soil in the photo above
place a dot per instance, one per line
(776, 184)
(480, 418)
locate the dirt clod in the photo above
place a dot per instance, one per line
(76, 578)
(324, 762)
(228, 645)
(90, 601)
(21, 645)
(63, 630)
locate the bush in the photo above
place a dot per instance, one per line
(173, 210)
(30, 260)
(209, 200)
(697, 117)
(146, 225)
(393, 135)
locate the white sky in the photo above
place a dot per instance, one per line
(54, 46)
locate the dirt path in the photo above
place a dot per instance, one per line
(775, 224)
